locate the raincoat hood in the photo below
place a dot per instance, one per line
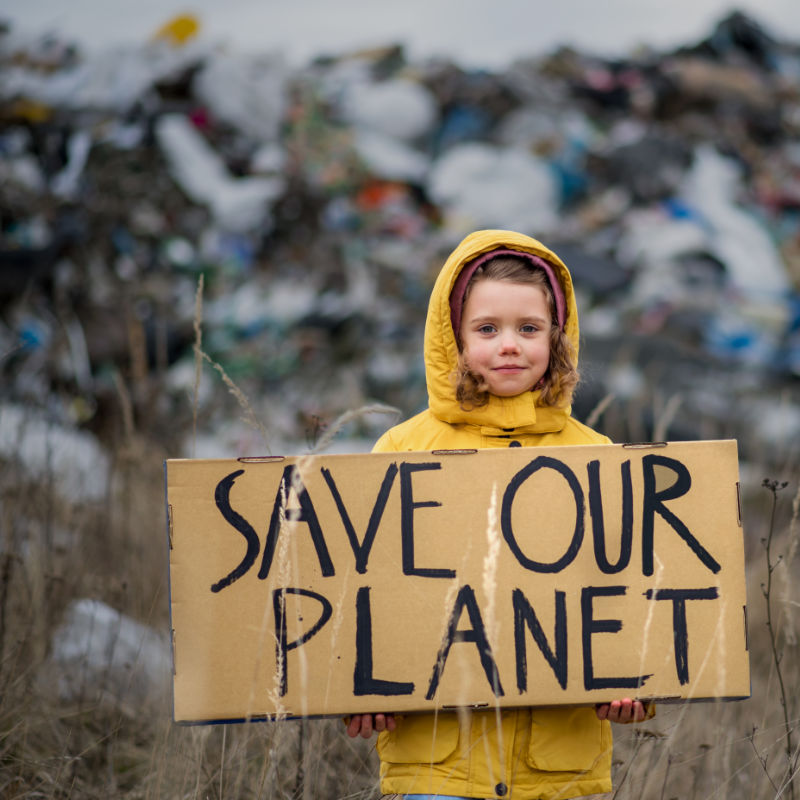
(521, 412)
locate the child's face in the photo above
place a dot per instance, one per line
(505, 335)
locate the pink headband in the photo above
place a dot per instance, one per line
(460, 286)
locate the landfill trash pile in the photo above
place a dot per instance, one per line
(319, 202)
(104, 656)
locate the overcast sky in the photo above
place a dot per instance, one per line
(475, 32)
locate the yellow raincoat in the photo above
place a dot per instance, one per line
(543, 753)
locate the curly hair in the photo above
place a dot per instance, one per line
(558, 383)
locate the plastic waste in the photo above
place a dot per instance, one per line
(703, 81)
(24, 171)
(651, 238)
(776, 425)
(387, 157)
(733, 338)
(269, 158)
(591, 272)
(237, 204)
(179, 30)
(398, 108)
(247, 92)
(253, 307)
(71, 460)
(650, 166)
(736, 237)
(66, 183)
(233, 253)
(99, 654)
(480, 185)
(739, 35)
(104, 79)
(462, 123)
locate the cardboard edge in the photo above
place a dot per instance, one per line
(672, 701)
(746, 630)
(454, 451)
(191, 723)
(169, 523)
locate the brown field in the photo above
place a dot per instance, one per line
(111, 742)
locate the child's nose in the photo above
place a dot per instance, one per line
(509, 344)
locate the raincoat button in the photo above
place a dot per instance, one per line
(514, 443)
(501, 790)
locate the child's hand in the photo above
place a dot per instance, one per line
(366, 724)
(623, 711)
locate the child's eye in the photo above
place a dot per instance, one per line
(486, 328)
(529, 329)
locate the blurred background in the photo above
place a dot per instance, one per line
(218, 233)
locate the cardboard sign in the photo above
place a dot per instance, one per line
(412, 581)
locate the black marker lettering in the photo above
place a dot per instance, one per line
(407, 506)
(361, 550)
(305, 514)
(598, 522)
(282, 647)
(680, 632)
(525, 615)
(508, 501)
(222, 497)
(363, 682)
(591, 626)
(653, 502)
(476, 634)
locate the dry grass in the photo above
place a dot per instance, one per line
(53, 551)
(94, 746)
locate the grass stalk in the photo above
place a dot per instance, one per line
(777, 655)
(198, 357)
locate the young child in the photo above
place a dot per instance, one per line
(501, 352)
